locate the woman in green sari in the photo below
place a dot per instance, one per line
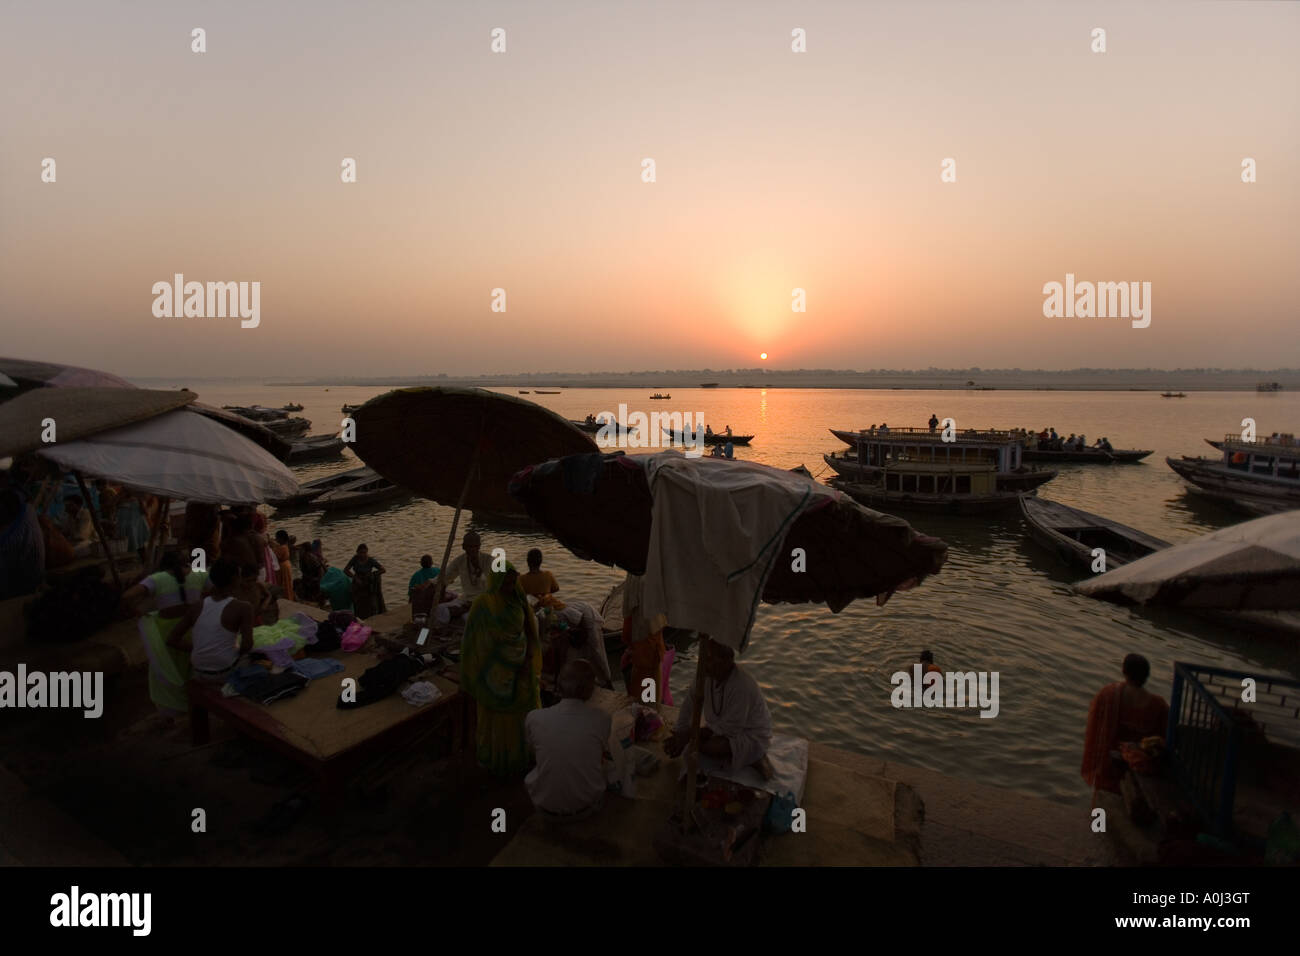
(500, 665)
(171, 590)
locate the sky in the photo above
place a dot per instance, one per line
(522, 170)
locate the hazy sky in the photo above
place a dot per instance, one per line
(523, 170)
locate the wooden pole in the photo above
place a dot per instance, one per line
(692, 748)
(158, 536)
(94, 519)
(455, 523)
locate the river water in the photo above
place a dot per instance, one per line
(1001, 603)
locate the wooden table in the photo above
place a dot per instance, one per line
(312, 731)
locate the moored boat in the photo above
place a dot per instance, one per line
(591, 428)
(349, 409)
(885, 498)
(289, 427)
(1260, 477)
(656, 397)
(309, 491)
(1073, 534)
(1173, 395)
(924, 451)
(360, 494)
(316, 448)
(538, 391)
(291, 407)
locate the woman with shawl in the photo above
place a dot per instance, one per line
(500, 666)
(171, 590)
(1121, 712)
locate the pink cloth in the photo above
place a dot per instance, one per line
(356, 635)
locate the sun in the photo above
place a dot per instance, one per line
(763, 356)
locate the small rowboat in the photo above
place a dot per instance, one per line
(316, 448)
(592, 428)
(291, 407)
(714, 438)
(1073, 534)
(309, 491)
(523, 392)
(538, 391)
(360, 494)
(1173, 395)
(290, 427)
(656, 397)
(349, 409)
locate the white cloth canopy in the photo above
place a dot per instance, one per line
(182, 455)
(731, 517)
(1253, 565)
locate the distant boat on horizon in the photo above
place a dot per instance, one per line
(709, 385)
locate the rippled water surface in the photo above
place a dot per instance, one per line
(1001, 604)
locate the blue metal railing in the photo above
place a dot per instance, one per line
(1205, 738)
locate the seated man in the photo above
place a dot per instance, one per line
(537, 583)
(570, 741)
(423, 578)
(470, 568)
(1121, 712)
(736, 727)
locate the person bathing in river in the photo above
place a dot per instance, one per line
(736, 727)
(537, 583)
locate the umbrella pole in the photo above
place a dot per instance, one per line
(692, 751)
(99, 531)
(455, 523)
(158, 536)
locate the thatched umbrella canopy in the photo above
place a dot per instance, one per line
(79, 413)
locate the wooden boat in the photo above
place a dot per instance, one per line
(290, 427)
(592, 428)
(316, 448)
(1256, 477)
(360, 494)
(1073, 534)
(1172, 395)
(713, 438)
(1087, 456)
(523, 392)
(291, 407)
(1269, 387)
(656, 397)
(309, 491)
(538, 391)
(349, 409)
(708, 385)
(924, 451)
(258, 413)
(884, 499)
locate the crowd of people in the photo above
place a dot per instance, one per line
(1049, 440)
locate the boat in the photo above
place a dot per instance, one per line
(309, 491)
(591, 428)
(538, 391)
(656, 397)
(1173, 395)
(315, 449)
(1269, 387)
(258, 413)
(1073, 534)
(710, 438)
(1259, 477)
(289, 427)
(708, 385)
(1087, 456)
(349, 409)
(360, 494)
(891, 497)
(925, 450)
(522, 392)
(291, 407)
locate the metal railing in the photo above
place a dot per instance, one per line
(1206, 723)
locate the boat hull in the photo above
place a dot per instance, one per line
(1009, 481)
(1072, 535)
(1120, 456)
(874, 497)
(714, 439)
(1259, 494)
(315, 450)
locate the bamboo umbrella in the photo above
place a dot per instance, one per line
(460, 446)
(605, 507)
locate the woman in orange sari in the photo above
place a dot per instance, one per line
(284, 576)
(1120, 712)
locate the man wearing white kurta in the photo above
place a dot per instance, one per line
(570, 741)
(736, 727)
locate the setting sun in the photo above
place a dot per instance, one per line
(763, 356)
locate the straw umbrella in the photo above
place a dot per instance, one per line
(460, 446)
(605, 508)
(1250, 566)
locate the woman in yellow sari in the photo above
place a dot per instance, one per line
(500, 665)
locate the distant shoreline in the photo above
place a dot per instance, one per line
(1080, 380)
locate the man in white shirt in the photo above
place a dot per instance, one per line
(468, 572)
(736, 727)
(570, 741)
